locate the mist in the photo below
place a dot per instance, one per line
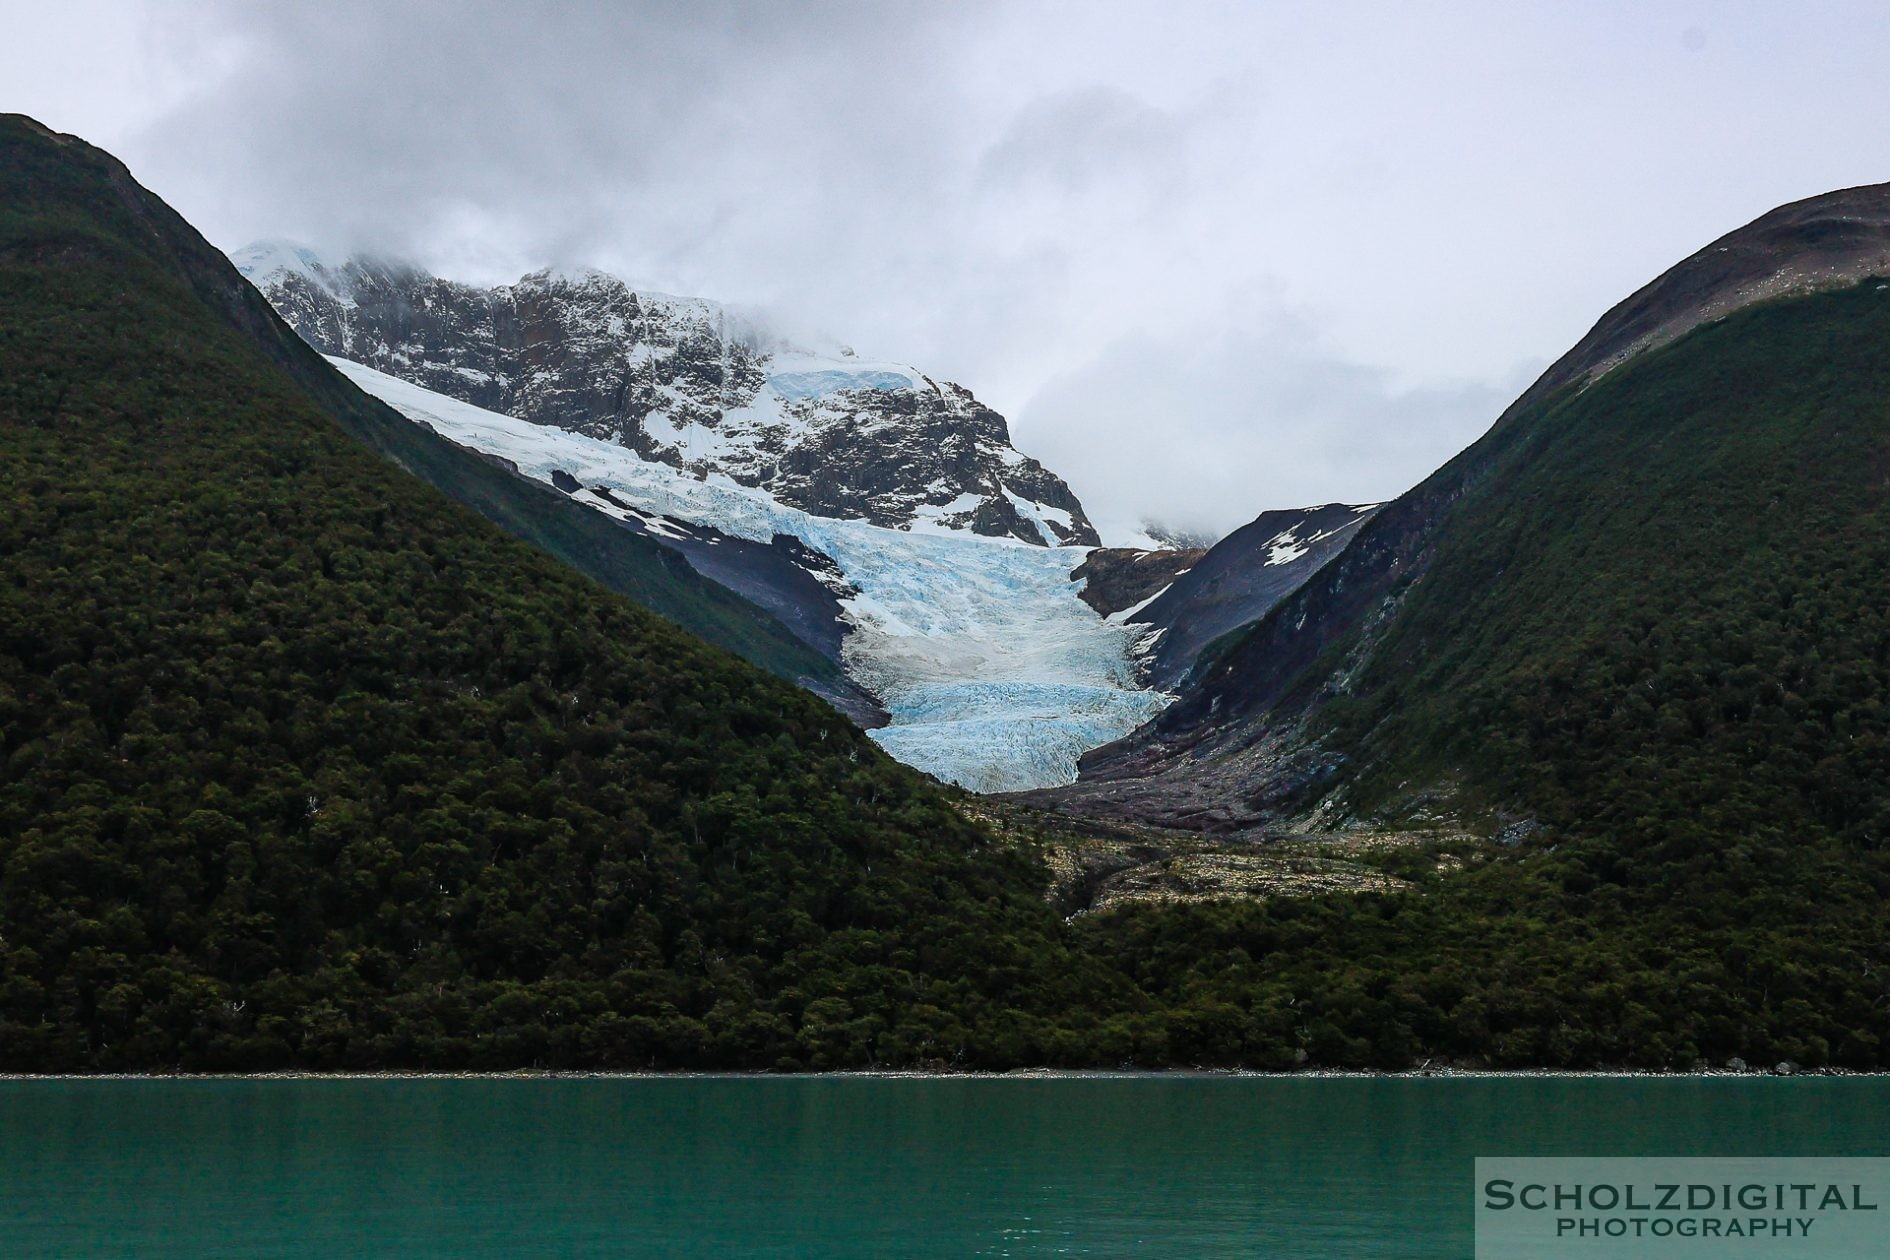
(1208, 258)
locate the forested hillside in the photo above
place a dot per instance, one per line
(1635, 637)
(303, 763)
(1247, 742)
(50, 200)
(1661, 616)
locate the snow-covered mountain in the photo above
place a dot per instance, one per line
(994, 673)
(683, 382)
(879, 515)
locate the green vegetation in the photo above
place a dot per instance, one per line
(1660, 616)
(303, 764)
(1656, 629)
(1654, 635)
(64, 196)
(654, 576)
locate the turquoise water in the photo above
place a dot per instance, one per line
(1193, 1168)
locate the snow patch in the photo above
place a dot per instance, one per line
(266, 261)
(1284, 548)
(1122, 616)
(1287, 546)
(1040, 516)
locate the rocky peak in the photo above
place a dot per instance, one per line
(685, 382)
(1122, 579)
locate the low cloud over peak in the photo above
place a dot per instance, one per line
(1210, 257)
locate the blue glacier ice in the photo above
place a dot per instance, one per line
(996, 675)
(796, 385)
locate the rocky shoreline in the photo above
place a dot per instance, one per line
(1779, 1071)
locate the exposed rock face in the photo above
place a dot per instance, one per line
(1233, 747)
(1239, 580)
(1189, 598)
(684, 382)
(1118, 578)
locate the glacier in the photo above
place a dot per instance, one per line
(996, 676)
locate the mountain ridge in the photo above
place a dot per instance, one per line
(1185, 601)
(647, 574)
(1242, 746)
(1815, 243)
(682, 381)
(305, 764)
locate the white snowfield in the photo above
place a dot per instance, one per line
(996, 675)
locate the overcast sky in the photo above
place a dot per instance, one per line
(1208, 258)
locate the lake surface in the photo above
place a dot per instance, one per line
(1190, 1167)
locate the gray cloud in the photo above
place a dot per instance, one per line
(1210, 256)
(1079, 141)
(1264, 416)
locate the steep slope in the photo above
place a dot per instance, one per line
(1626, 601)
(302, 763)
(1210, 594)
(684, 382)
(649, 574)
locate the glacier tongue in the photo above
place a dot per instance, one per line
(996, 675)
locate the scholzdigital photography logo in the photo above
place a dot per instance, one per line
(1622, 1209)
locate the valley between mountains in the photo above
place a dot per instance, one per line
(402, 674)
(880, 515)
